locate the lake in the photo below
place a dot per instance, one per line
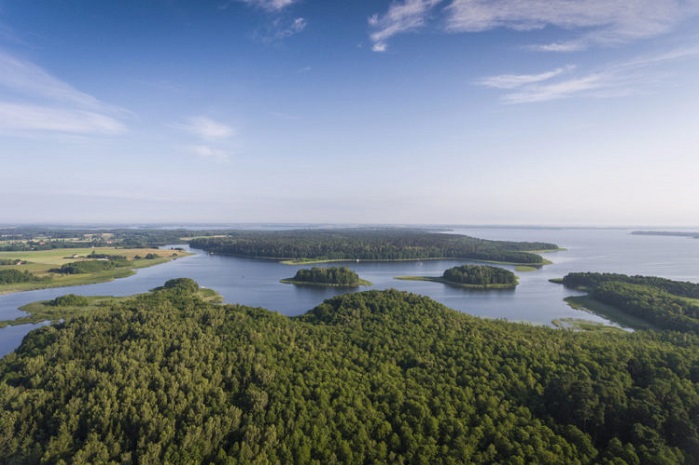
(256, 282)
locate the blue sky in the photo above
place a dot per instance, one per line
(553, 112)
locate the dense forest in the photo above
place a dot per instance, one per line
(481, 275)
(327, 276)
(364, 378)
(662, 302)
(365, 244)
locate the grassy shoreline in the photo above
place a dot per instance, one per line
(314, 261)
(43, 310)
(585, 302)
(362, 282)
(451, 283)
(40, 262)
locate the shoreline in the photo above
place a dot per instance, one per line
(485, 287)
(40, 269)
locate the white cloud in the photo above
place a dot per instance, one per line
(205, 151)
(511, 81)
(602, 21)
(270, 5)
(206, 128)
(24, 117)
(40, 101)
(614, 80)
(594, 22)
(214, 138)
(400, 17)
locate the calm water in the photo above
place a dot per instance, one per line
(256, 283)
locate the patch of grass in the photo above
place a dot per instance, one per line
(585, 302)
(41, 261)
(579, 324)
(525, 268)
(45, 310)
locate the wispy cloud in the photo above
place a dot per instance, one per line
(401, 17)
(599, 21)
(24, 117)
(270, 5)
(590, 22)
(214, 137)
(280, 29)
(41, 101)
(614, 80)
(206, 128)
(511, 81)
(205, 151)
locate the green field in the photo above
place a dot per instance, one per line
(40, 262)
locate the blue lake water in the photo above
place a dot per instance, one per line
(256, 282)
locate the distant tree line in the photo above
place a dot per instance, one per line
(479, 275)
(390, 244)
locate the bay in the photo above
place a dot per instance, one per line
(536, 300)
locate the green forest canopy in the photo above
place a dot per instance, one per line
(330, 276)
(479, 275)
(369, 244)
(371, 377)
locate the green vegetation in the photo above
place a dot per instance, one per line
(332, 276)
(70, 300)
(659, 302)
(480, 275)
(472, 277)
(86, 266)
(14, 276)
(371, 377)
(304, 246)
(75, 266)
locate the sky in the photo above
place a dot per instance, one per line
(529, 112)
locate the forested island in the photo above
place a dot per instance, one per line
(327, 277)
(301, 246)
(663, 303)
(371, 377)
(473, 277)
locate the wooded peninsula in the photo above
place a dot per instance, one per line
(302, 246)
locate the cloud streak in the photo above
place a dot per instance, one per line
(602, 21)
(596, 22)
(206, 128)
(31, 99)
(615, 80)
(407, 16)
(270, 5)
(511, 81)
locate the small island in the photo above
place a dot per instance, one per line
(328, 277)
(473, 277)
